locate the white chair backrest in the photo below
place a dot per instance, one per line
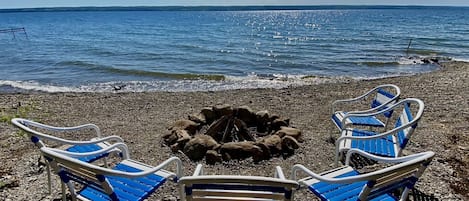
(402, 175)
(230, 187)
(386, 98)
(407, 121)
(236, 187)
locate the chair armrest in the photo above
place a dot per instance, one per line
(384, 159)
(68, 156)
(398, 92)
(404, 162)
(112, 138)
(25, 123)
(378, 135)
(121, 146)
(365, 113)
(152, 170)
(350, 100)
(300, 168)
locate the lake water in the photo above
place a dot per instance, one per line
(201, 50)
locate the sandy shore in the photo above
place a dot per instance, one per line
(141, 119)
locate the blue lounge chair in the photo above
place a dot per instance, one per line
(40, 138)
(347, 183)
(383, 97)
(127, 180)
(236, 187)
(390, 142)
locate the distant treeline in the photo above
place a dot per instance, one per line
(210, 8)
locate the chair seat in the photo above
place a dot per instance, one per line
(88, 148)
(379, 146)
(337, 118)
(127, 188)
(340, 192)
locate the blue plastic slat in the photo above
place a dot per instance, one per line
(359, 121)
(385, 197)
(151, 177)
(379, 146)
(321, 184)
(130, 182)
(349, 191)
(327, 190)
(408, 112)
(127, 188)
(128, 194)
(386, 93)
(127, 191)
(366, 121)
(336, 120)
(86, 148)
(93, 194)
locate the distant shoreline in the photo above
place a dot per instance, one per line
(218, 8)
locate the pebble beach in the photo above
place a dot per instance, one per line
(141, 119)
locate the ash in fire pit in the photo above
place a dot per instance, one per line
(224, 133)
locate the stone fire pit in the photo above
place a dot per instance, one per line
(224, 133)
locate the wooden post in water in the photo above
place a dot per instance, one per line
(408, 46)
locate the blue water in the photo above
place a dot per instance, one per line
(218, 50)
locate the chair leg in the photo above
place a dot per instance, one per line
(181, 192)
(105, 162)
(71, 188)
(64, 193)
(49, 182)
(337, 156)
(404, 194)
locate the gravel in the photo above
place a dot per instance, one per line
(141, 119)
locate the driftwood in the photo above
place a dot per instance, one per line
(243, 130)
(216, 127)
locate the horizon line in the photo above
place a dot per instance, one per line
(215, 7)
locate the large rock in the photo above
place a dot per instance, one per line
(278, 123)
(289, 144)
(262, 120)
(288, 131)
(198, 118)
(263, 155)
(209, 114)
(185, 124)
(170, 138)
(239, 150)
(209, 142)
(222, 110)
(262, 116)
(273, 142)
(246, 114)
(212, 157)
(197, 147)
(177, 136)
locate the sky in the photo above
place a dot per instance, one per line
(74, 3)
